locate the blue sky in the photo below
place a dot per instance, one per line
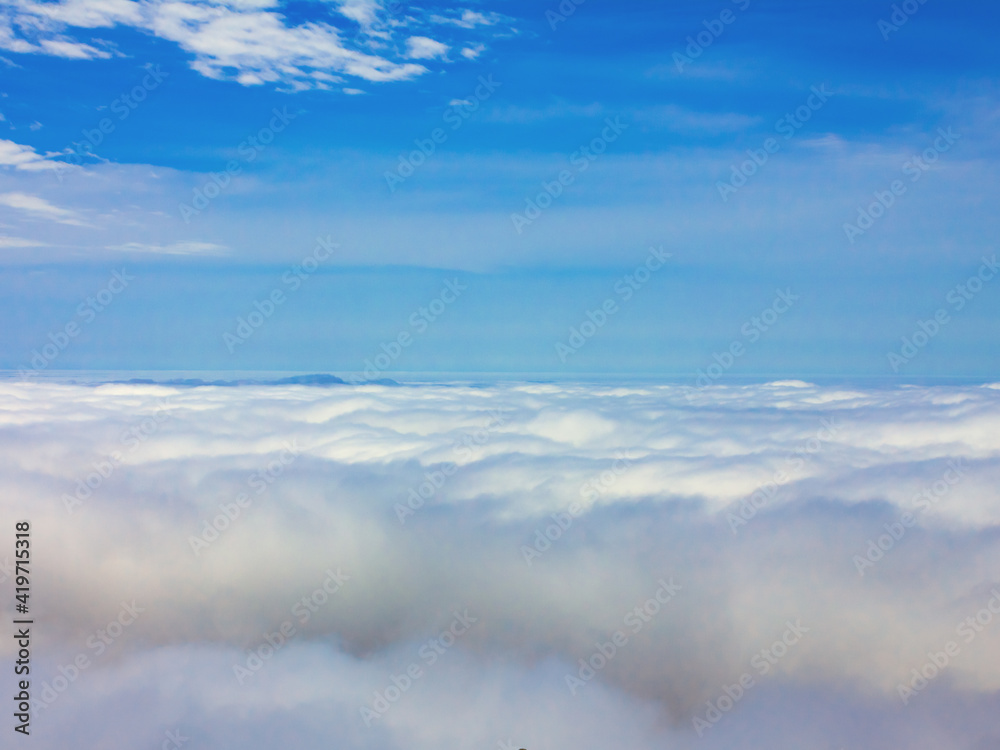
(364, 83)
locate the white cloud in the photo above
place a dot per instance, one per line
(248, 41)
(424, 48)
(72, 50)
(362, 12)
(9, 39)
(468, 19)
(263, 49)
(19, 242)
(474, 51)
(694, 455)
(26, 158)
(177, 248)
(86, 14)
(39, 208)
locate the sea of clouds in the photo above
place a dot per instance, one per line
(536, 565)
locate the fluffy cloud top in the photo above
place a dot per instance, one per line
(545, 513)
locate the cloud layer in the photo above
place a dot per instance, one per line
(547, 514)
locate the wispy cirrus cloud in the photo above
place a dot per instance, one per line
(19, 242)
(36, 207)
(425, 48)
(667, 117)
(176, 248)
(365, 13)
(250, 42)
(26, 158)
(468, 19)
(473, 51)
(519, 114)
(684, 120)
